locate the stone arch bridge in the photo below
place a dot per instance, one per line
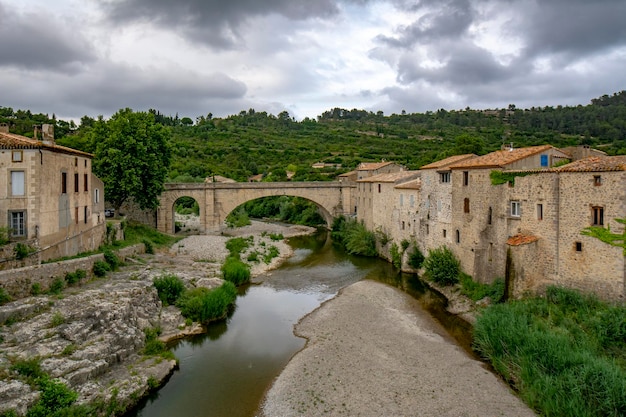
(217, 200)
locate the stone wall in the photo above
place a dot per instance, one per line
(18, 282)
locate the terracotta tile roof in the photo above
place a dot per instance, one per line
(595, 164)
(392, 177)
(499, 159)
(13, 141)
(372, 166)
(347, 174)
(415, 184)
(520, 239)
(449, 161)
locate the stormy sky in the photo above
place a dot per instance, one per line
(194, 57)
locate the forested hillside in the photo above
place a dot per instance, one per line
(252, 142)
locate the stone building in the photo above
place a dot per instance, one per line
(50, 199)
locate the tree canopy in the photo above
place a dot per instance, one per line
(132, 157)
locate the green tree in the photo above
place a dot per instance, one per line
(132, 157)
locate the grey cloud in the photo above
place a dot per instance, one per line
(215, 23)
(40, 41)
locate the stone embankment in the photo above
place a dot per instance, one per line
(91, 336)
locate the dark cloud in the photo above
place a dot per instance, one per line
(40, 41)
(216, 23)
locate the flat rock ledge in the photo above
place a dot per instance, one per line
(371, 352)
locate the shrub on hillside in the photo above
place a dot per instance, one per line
(100, 268)
(74, 277)
(111, 258)
(442, 266)
(235, 271)
(169, 288)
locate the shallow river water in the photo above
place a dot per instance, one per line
(226, 371)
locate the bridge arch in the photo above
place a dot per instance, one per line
(217, 200)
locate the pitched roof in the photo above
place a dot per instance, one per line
(13, 141)
(392, 177)
(415, 184)
(449, 161)
(372, 166)
(520, 239)
(500, 159)
(595, 164)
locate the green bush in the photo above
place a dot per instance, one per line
(22, 251)
(272, 252)
(111, 258)
(276, 236)
(35, 289)
(29, 368)
(477, 291)
(237, 245)
(149, 246)
(396, 255)
(442, 266)
(74, 277)
(553, 351)
(4, 296)
(54, 397)
(100, 268)
(204, 305)
(169, 288)
(253, 257)
(416, 258)
(238, 218)
(56, 287)
(354, 237)
(235, 271)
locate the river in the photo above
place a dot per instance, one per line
(226, 371)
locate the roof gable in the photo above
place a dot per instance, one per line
(13, 141)
(449, 161)
(595, 164)
(502, 158)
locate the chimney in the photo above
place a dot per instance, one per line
(47, 134)
(4, 128)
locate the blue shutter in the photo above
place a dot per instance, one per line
(544, 160)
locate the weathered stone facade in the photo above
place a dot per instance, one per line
(49, 197)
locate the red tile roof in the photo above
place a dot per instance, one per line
(13, 141)
(520, 239)
(372, 166)
(415, 184)
(449, 161)
(595, 164)
(499, 159)
(391, 177)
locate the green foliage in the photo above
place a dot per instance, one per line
(152, 382)
(153, 346)
(111, 259)
(74, 277)
(286, 209)
(253, 257)
(235, 271)
(555, 351)
(477, 291)
(28, 368)
(276, 236)
(238, 218)
(148, 245)
(57, 319)
(4, 235)
(169, 288)
(416, 258)
(354, 237)
(187, 205)
(500, 177)
(237, 245)
(53, 399)
(606, 236)
(442, 266)
(4, 296)
(132, 157)
(100, 268)
(272, 252)
(22, 251)
(57, 286)
(404, 244)
(137, 233)
(396, 256)
(204, 305)
(35, 289)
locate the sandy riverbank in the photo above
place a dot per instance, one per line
(370, 352)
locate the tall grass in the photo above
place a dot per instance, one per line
(235, 271)
(565, 353)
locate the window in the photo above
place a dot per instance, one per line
(458, 236)
(76, 215)
(378, 187)
(17, 183)
(64, 183)
(597, 180)
(597, 216)
(539, 211)
(427, 229)
(75, 183)
(516, 209)
(86, 215)
(17, 223)
(403, 225)
(465, 178)
(17, 156)
(96, 196)
(489, 215)
(466, 205)
(75, 162)
(445, 232)
(411, 200)
(401, 200)
(444, 176)
(578, 246)
(544, 160)
(86, 182)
